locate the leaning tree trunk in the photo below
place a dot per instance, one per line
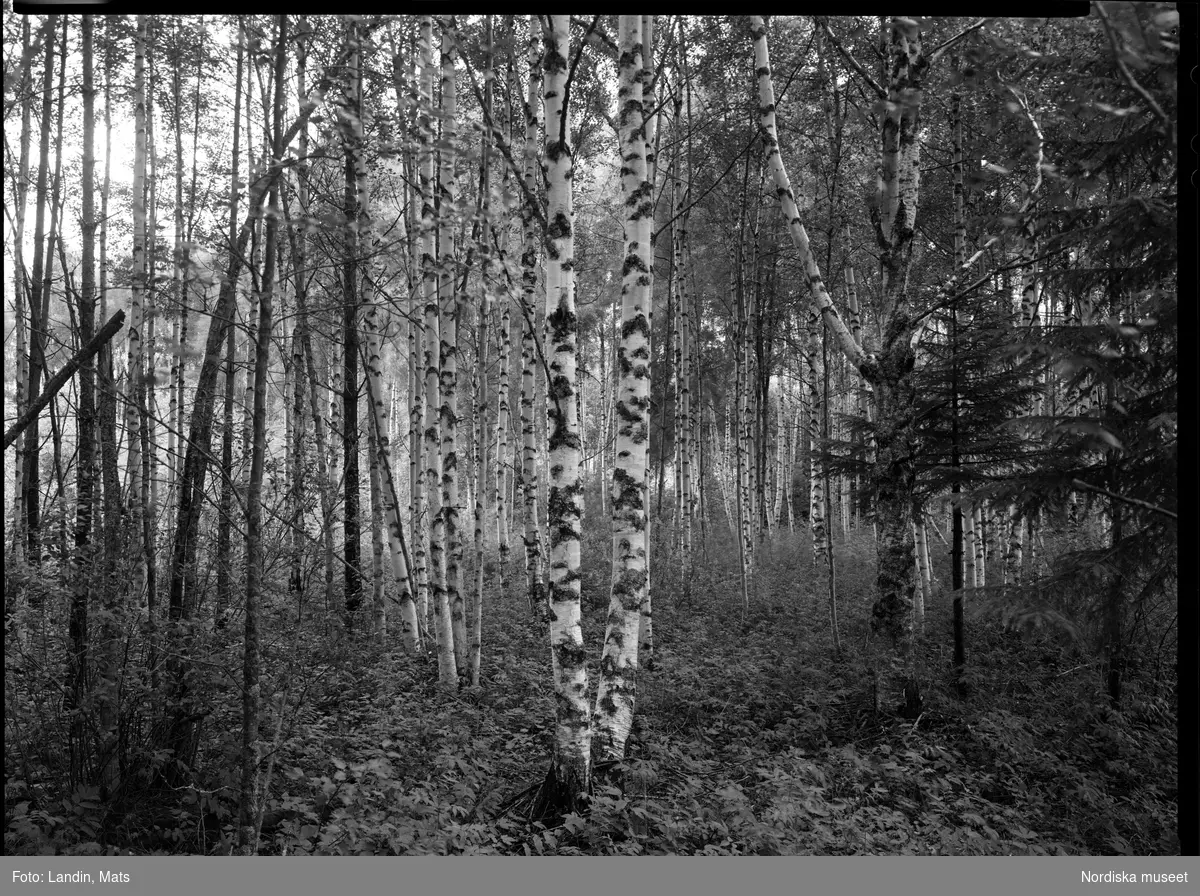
(397, 543)
(889, 372)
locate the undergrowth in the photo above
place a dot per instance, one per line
(752, 738)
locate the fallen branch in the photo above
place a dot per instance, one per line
(60, 379)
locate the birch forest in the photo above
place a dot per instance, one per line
(593, 435)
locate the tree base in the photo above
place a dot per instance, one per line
(558, 797)
(911, 707)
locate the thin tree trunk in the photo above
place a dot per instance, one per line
(30, 476)
(970, 579)
(225, 507)
(21, 289)
(487, 277)
(450, 303)
(179, 277)
(352, 131)
(294, 398)
(378, 606)
(817, 416)
(382, 461)
(108, 646)
(925, 591)
(1114, 653)
(148, 406)
(434, 340)
(133, 417)
(682, 189)
(81, 572)
(248, 804)
(828, 551)
(534, 551)
(960, 251)
(503, 423)
(977, 517)
(184, 547)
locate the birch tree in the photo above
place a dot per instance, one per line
(432, 226)
(449, 302)
(534, 549)
(137, 298)
(570, 772)
(350, 112)
(890, 371)
(630, 559)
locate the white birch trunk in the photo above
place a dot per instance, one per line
(450, 313)
(572, 742)
(977, 518)
(534, 550)
(969, 576)
(434, 341)
(613, 717)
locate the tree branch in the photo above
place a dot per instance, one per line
(1145, 505)
(947, 44)
(1141, 91)
(60, 379)
(850, 60)
(506, 150)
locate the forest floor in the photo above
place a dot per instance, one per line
(751, 737)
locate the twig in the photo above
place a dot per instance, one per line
(1145, 505)
(850, 60)
(1076, 669)
(1168, 125)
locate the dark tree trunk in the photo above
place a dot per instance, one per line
(30, 479)
(351, 524)
(248, 803)
(1114, 654)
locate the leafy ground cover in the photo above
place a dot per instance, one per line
(752, 738)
